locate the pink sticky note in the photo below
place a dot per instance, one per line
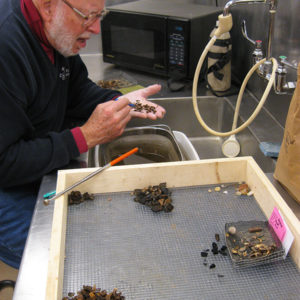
(277, 224)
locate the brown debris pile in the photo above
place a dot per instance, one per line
(75, 197)
(114, 84)
(93, 293)
(157, 197)
(243, 189)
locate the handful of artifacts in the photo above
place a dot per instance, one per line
(138, 106)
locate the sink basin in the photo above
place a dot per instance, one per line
(157, 143)
(217, 112)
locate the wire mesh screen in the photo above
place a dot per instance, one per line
(114, 242)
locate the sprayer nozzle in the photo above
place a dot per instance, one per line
(231, 147)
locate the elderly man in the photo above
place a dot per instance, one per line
(43, 82)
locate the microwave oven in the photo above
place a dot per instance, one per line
(163, 37)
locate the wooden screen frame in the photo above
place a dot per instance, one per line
(176, 174)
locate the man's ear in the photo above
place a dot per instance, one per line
(45, 8)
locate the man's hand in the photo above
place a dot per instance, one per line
(109, 119)
(107, 122)
(142, 96)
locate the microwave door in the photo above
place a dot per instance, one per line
(135, 40)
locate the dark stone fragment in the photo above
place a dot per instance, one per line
(87, 196)
(204, 254)
(223, 250)
(168, 208)
(163, 184)
(215, 249)
(140, 199)
(165, 191)
(148, 197)
(137, 192)
(212, 266)
(156, 208)
(74, 197)
(220, 275)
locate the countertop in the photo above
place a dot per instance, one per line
(31, 282)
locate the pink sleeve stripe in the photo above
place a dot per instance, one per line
(80, 140)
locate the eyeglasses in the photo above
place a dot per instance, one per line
(91, 18)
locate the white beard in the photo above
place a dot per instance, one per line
(64, 40)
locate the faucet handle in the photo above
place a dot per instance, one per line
(280, 77)
(244, 32)
(281, 85)
(257, 54)
(281, 69)
(283, 61)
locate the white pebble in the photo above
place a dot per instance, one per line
(232, 230)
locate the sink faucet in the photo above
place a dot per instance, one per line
(257, 54)
(266, 68)
(272, 4)
(281, 86)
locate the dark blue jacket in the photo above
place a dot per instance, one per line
(36, 97)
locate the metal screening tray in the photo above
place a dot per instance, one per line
(115, 242)
(248, 247)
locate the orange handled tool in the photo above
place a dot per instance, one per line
(115, 161)
(123, 156)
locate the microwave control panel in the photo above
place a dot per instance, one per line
(177, 46)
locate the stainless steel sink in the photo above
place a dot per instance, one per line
(218, 114)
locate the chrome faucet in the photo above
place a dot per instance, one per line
(267, 66)
(257, 54)
(272, 4)
(281, 86)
